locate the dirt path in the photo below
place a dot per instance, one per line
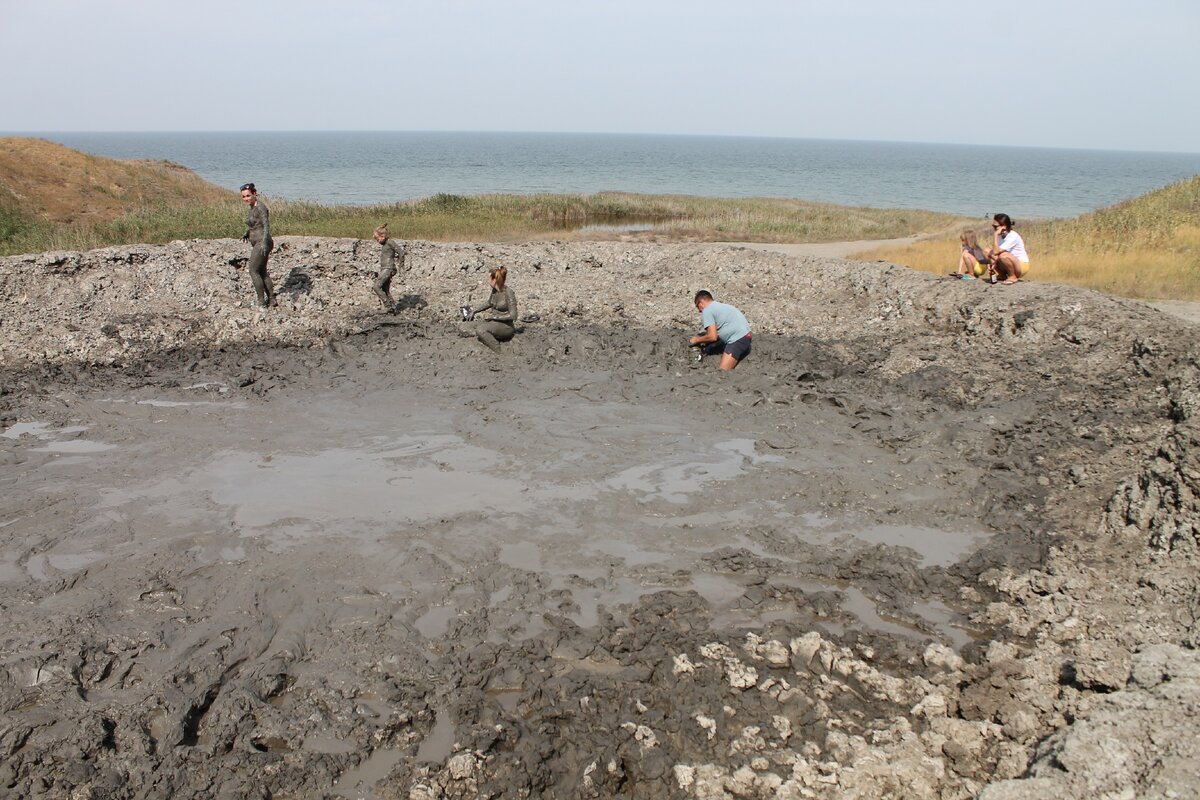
(824, 249)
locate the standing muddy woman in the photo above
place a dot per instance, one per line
(500, 327)
(258, 234)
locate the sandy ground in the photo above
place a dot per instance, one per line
(1182, 309)
(929, 540)
(825, 249)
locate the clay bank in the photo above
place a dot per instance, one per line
(929, 540)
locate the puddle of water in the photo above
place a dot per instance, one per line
(69, 562)
(356, 783)
(439, 744)
(10, 572)
(935, 547)
(746, 448)
(36, 567)
(500, 595)
(232, 553)
(375, 705)
(349, 490)
(945, 620)
(630, 553)
(51, 438)
(521, 626)
(281, 700)
(718, 590)
(521, 555)
(434, 622)
(38, 430)
(328, 744)
(857, 603)
(159, 726)
(864, 608)
(674, 483)
(507, 698)
(75, 446)
(623, 592)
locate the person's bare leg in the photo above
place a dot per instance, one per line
(968, 266)
(728, 362)
(1011, 268)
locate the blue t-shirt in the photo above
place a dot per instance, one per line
(731, 323)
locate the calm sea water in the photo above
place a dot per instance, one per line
(366, 167)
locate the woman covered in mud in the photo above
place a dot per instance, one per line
(502, 325)
(258, 234)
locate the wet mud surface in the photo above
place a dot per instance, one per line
(919, 544)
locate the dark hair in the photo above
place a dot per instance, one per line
(249, 186)
(703, 294)
(1004, 219)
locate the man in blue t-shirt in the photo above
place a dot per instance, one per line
(725, 330)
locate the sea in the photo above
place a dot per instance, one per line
(366, 168)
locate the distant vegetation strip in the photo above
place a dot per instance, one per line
(55, 198)
(493, 217)
(1147, 247)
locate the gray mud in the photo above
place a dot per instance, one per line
(929, 540)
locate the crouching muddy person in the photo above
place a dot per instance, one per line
(502, 324)
(726, 331)
(391, 260)
(258, 234)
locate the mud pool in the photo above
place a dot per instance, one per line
(932, 542)
(601, 501)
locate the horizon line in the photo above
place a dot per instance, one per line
(30, 133)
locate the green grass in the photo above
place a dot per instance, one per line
(498, 217)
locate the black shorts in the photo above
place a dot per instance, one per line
(739, 349)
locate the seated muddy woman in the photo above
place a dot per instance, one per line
(391, 260)
(258, 234)
(726, 331)
(1008, 260)
(501, 325)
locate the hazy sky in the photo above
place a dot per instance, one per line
(1113, 74)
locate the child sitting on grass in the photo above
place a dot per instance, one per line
(972, 262)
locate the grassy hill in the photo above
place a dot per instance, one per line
(55, 198)
(52, 196)
(46, 181)
(1147, 247)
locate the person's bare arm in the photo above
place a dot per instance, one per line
(708, 337)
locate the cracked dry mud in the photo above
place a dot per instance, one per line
(930, 540)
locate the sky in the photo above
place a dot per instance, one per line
(1104, 74)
